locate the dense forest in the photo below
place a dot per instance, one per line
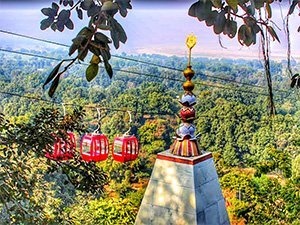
(257, 156)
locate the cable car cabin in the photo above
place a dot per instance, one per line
(94, 147)
(63, 150)
(125, 149)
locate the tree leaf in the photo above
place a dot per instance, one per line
(103, 26)
(95, 59)
(292, 7)
(242, 2)
(54, 86)
(94, 10)
(86, 4)
(123, 12)
(121, 32)
(233, 4)
(48, 12)
(259, 3)
(204, 10)
(253, 37)
(117, 33)
(294, 80)
(53, 73)
(100, 37)
(250, 36)
(251, 8)
(65, 2)
(201, 10)
(64, 16)
(71, 3)
(114, 35)
(79, 13)
(69, 24)
(242, 34)
(226, 30)
(210, 20)
(273, 33)
(123, 6)
(73, 49)
(256, 28)
(108, 69)
(91, 72)
(86, 31)
(233, 29)
(92, 47)
(220, 23)
(80, 40)
(60, 26)
(82, 54)
(53, 26)
(46, 23)
(55, 7)
(269, 10)
(217, 3)
(105, 54)
(298, 83)
(109, 6)
(193, 9)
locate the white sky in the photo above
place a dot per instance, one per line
(152, 28)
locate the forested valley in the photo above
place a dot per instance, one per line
(257, 156)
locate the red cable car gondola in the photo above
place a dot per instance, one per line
(94, 147)
(125, 148)
(63, 150)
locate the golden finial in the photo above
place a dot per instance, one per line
(191, 41)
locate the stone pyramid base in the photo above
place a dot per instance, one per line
(183, 191)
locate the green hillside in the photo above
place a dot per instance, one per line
(257, 157)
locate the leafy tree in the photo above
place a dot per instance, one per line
(261, 200)
(89, 39)
(102, 211)
(296, 169)
(232, 124)
(254, 17)
(155, 135)
(22, 148)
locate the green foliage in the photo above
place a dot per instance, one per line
(233, 125)
(296, 169)
(23, 166)
(250, 20)
(154, 136)
(272, 159)
(92, 71)
(222, 15)
(102, 211)
(262, 200)
(89, 39)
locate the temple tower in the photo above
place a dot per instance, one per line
(184, 187)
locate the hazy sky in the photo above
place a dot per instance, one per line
(152, 27)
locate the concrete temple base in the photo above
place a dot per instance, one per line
(183, 191)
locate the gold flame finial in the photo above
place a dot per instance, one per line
(191, 41)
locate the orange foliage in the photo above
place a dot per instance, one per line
(229, 196)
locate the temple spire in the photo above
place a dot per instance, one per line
(186, 141)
